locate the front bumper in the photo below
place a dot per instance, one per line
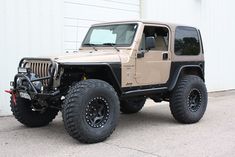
(45, 78)
(33, 92)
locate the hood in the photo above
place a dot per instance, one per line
(88, 56)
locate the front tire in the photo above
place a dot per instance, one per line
(188, 100)
(24, 113)
(91, 111)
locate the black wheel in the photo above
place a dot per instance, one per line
(27, 115)
(189, 99)
(133, 105)
(91, 111)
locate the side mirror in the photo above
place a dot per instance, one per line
(150, 42)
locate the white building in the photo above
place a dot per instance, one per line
(47, 27)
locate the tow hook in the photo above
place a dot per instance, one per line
(13, 95)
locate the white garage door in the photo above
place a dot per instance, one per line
(80, 14)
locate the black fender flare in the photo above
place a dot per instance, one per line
(180, 70)
(114, 68)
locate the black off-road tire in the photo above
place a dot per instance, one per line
(133, 105)
(23, 112)
(188, 100)
(91, 111)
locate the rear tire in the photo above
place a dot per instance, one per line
(188, 100)
(132, 105)
(91, 111)
(23, 112)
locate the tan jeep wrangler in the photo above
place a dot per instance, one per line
(119, 66)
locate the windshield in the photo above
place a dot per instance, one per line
(109, 35)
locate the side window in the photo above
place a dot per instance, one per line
(186, 41)
(161, 35)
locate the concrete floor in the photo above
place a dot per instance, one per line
(151, 132)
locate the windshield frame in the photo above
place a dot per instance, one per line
(112, 24)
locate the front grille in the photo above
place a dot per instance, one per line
(40, 68)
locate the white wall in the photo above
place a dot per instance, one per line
(216, 21)
(27, 28)
(217, 25)
(80, 14)
(180, 11)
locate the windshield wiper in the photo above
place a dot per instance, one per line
(92, 45)
(113, 45)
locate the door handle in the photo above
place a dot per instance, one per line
(164, 56)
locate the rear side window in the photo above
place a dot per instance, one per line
(186, 41)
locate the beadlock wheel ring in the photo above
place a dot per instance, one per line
(97, 112)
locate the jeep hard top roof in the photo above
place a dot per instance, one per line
(171, 25)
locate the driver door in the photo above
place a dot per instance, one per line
(154, 66)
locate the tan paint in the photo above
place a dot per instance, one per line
(151, 69)
(90, 56)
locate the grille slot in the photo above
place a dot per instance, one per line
(40, 68)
